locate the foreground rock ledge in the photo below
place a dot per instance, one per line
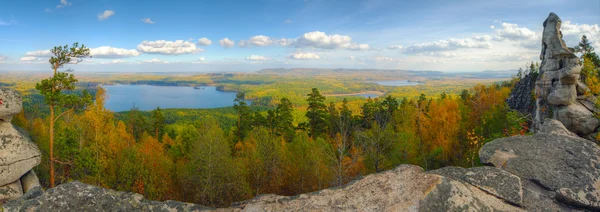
(405, 188)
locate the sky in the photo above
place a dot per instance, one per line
(246, 35)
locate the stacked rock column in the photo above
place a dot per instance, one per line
(18, 155)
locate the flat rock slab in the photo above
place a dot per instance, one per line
(497, 182)
(567, 165)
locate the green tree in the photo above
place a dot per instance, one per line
(316, 114)
(244, 123)
(158, 121)
(584, 47)
(285, 119)
(53, 87)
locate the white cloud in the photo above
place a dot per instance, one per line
(572, 33)
(112, 52)
(29, 59)
(383, 59)
(321, 40)
(256, 58)
(482, 38)
(287, 21)
(200, 60)
(117, 61)
(155, 60)
(395, 47)
(105, 15)
(39, 53)
(358, 47)
(148, 21)
(204, 42)
(515, 33)
(63, 3)
(304, 56)
(168, 47)
(260, 40)
(449, 44)
(2, 59)
(492, 26)
(442, 54)
(225, 42)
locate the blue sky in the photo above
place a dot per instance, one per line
(166, 35)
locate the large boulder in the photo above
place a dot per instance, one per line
(565, 165)
(578, 119)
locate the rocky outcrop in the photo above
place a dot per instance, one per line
(560, 93)
(18, 155)
(557, 164)
(522, 95)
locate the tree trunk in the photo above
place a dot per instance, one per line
(51, 146)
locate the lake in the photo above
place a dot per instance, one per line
(148, 97)
(397, 83)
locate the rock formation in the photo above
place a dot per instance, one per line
(18, 155)
(554, 170)
(522, 95)
(559, 92)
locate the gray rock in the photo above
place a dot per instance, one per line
(566, 165)
(30, 181)
(11, 191)
(562, 95)
(497, 182)
(18, 154)
(522, 95)
(11, 104)
(76, 196)
(578, 119)
(405, 188)
(552, 126)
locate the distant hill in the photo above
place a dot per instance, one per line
(386, 73)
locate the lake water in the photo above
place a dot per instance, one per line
(397, 83)
(148, 97)
(368, 95)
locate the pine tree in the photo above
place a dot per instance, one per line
(52, 88)
(158, 121)
(584, 47)
(316, 114)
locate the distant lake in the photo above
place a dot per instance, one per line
(368, 95)
(397, 83)
(148, 97)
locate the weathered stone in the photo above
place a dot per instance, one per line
(76, 196)
(522, 95)
(497, 182)
(552, 126)
(11, 191)
(405, 188)
(10, 104)
(563, 164)
(18, 154)
(577, 119)
(562, 95)
(30, 181)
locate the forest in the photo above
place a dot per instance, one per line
(298, 141)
